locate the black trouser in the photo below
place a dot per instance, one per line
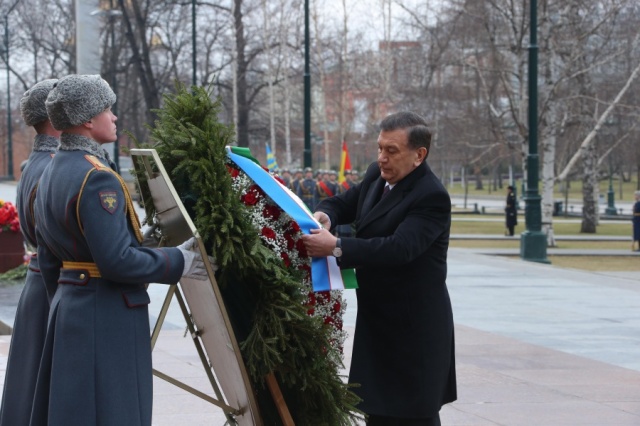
(375, 420)
(510, 228)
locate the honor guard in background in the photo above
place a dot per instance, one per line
(344, 186)
(333, 181)
(327, 186)
(307, 189)
(96, 362)
(285, 175)
(295, 181)
(30, 324)
(355, 178)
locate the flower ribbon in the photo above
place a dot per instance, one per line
(325, 273)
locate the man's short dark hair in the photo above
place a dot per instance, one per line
(418, 133)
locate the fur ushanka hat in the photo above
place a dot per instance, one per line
(32, 106)
(76, 99)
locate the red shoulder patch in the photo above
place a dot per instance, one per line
(109, 201)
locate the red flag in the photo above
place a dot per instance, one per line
(345, 162)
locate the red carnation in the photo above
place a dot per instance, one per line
(268, 233)
(290, 241)
(302, 250)
(285, 258)
(9, 220)
(257, 190)
(312, 298)
(271, 212)
(294, 226)
(233, 171)
(250, 198)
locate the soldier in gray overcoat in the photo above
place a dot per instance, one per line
(307, 189)
(30, 324)
(96, 363)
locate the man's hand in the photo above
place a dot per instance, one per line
(323, 218)
(320, 243)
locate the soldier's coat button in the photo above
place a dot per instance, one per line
(82, 276)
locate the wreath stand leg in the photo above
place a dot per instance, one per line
(228, 410)
(278, 399)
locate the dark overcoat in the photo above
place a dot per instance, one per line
(636, 221)
(510, 211)
(96, 364)
(307, 192)
(403, 350)
(30, 324)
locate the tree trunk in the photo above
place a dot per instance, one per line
(589, 192)
(478, 175)
(241, 67)
(271, 76)
(141, 54)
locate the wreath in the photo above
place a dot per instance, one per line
(282, 326)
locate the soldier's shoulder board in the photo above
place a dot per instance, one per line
(95, 161)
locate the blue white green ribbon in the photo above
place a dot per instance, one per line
(325, 273)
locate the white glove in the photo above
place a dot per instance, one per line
(193, 264)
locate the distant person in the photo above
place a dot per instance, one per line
(30, 324)
(96, 362)
(510, 211)
(636, 223)
(307, 189)
(403, 350)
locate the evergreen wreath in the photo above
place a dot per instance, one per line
(266, 301)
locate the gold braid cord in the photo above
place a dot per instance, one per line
(131, 211)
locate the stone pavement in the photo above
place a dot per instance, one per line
(535, 345)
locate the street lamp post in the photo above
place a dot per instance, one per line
(9, 119)
(193, 43)
(85, 53)
(533, 242)
(307, 90)
(113, 13)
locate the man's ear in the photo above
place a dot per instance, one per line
(88, 124)
(422, 154)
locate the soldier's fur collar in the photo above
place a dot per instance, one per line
(46, 143)
(72, 142)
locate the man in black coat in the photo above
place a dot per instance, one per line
(636, 223)
(511, 212)
(403, 351)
